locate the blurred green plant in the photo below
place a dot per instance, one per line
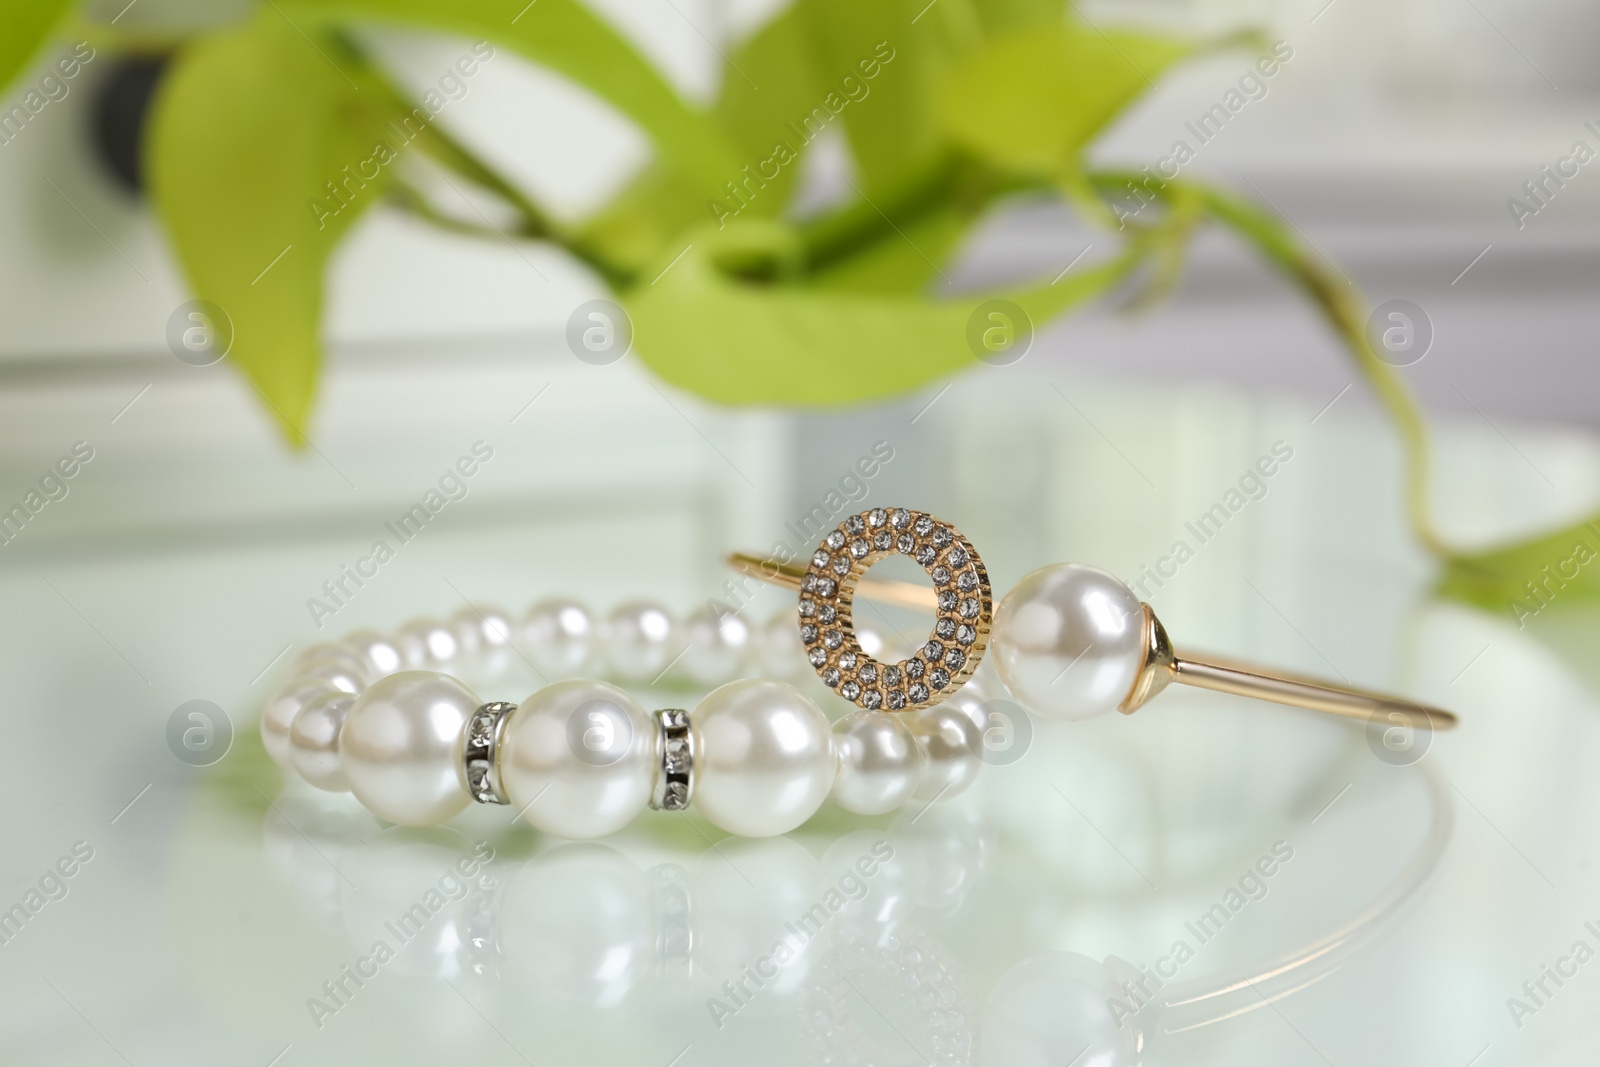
(970, 102)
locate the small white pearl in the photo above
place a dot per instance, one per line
(1069, 641)
(279, 714)
(952, 743)
(578, 759)
(969, 699)
(427, 643)
(480, 628)
(717, 643)
(314, 741)
(329, 651)
(401, 747)
(341, 672)
(764, 759)
(779, 652)
(559, 636)
(880, 763)
(378, 652)
(881, 648)
(641, 640)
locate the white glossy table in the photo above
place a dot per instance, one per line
(218, 902)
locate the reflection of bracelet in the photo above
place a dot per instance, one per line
(379, 717)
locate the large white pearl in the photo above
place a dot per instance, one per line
(641, 641)
(717, 643)
(279, 713)
(314, 741)
(953, 745)
(880, 762)
(764, 758)
(401, 747)
(558, 635)
(1069, 641)
(578, 758)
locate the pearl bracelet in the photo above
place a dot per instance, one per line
(581, 758)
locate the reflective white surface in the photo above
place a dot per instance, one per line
(217, 902)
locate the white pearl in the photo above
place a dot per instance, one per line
(279, 714)
(969, 700)
(558, 635)
(326, 651)
(952, 743)
(779, 652)
(314, 741)
(881, 648)
(764, 758)
(641, 640)
(426, 643)
(717, 643)
(378, 652)
(341, 672)
(480, 629)
(401, 747)
(578, 758)
(880, 762)
(1069, 641)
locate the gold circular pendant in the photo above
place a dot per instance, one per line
(964, 609)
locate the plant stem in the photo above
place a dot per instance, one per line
(1343, 309)
(450, 153)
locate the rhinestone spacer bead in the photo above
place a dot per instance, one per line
(480, 752)
(674, 784)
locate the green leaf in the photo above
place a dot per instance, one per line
(704, 328)
(1032, 98)
(904, 261)
(769, 87)
(878, 71)
(249, 130)
(1522, 579)
(567, 37)
(997, 16)
(24, 27)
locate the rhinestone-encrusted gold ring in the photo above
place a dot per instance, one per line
(964, 608)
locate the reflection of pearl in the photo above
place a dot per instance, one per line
(880, 763)
(1052, 1010)
(314, 741)
(575, 772)
(280, 711)
(558, 636)
(576, 923)
(1069, 641)
(401, 747)
(641, 640)
(764, 758)
(951, 742)
(717, 643)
